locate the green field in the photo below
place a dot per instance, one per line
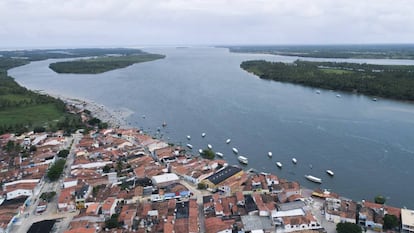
(336, 71)
(101, 64)
(37, 115)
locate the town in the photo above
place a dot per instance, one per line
(122, 180)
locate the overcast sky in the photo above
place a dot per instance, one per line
(72, 23)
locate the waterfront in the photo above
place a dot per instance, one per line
(367, 144)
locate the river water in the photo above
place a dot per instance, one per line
(369, 145)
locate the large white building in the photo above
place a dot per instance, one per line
(165, 179)
(407, 220)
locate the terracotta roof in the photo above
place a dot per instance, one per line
(81, 230)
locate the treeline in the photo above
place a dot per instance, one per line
(333, 51)
(396, 82)
(101, 64)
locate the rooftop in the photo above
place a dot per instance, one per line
(223, 174)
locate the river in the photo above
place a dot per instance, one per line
(368, 144)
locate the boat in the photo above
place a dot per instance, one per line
(374, 99)
(243, 159)
(190, 146)
(219, 154)
(164, 124)
(279, 164)
(203, 135)
(294, 160)
(209, 146)
(188, 137)
(269, 154)
(228, 140)
(235, 150)
(330, 172)
(318, 92)
(314, 179)
(338, 95)
(200, 151)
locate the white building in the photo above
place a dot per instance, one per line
(407, 220)
(165, 179)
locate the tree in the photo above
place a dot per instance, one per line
(112, 222)
(201, 186)
(348, 227)
(208, 154)
(106, 169)
(47, 196)
(56, 170)
(390, 222)
(63, 153)
(380, 199)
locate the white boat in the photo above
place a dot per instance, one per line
(338, 95)
(243, 159)
(209, 146)
(228, 140)
(190, 146)
(330, 172)
(219, 154)
(318, 92)
(269, 154)
(203, 135)
(200, 151)
(314, 179)
(188, 137)
(374, 99)
(235, 150)
(279, 164)
(294, 160)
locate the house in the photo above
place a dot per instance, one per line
(340, 210)
(66, 201)
(407, 221)
(165, 179)
(81, 194)
(300, 223)
(217, 179)
(108, 207)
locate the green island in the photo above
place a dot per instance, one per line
(102, 64)
(381, 51)
(22, 110)
(389, 81)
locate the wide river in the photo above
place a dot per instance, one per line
(369, 145)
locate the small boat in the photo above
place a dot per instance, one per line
(209, 146)
(200, 151)
(374, 99)
(279, 164)
(188, 137)
(330, 172)
(228, 141)
(338, 95)
(235, 150)
(164, 124)
(314, 179)
(203, 135)
(294, 160)
(190, 146)
(269, 154)
(219, 154)
(318, 92)
(243, 159)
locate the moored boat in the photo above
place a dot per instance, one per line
(294, 160)
(188, 137)
(314, 179)
(330, 172)
(200, 151)
(209, 146)
(235, 150)
(318, 92)
(269, 154)
(203, 135)
(228, 140)
(219, 154)
(243, 159)
(279, 164)
(190, 146)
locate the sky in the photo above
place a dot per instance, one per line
(85, 23)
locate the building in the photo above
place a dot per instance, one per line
(165, 179)
(216, 179)
(407, 221)
(340, 210)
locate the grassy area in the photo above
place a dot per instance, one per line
(36, 115)
(102, 64)
(336, 71)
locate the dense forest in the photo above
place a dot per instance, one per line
(396, 82)
(333, 51)
(101, 64)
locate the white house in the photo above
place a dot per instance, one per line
(407, 220)
(165, 179)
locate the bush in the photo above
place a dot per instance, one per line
(390, 222)
(201, 186)
(348, 227)
(208, 154)
(380, 199)
(63, 153)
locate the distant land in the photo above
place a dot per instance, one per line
(389, 81)
(391, 51)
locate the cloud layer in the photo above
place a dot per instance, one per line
(71, 23)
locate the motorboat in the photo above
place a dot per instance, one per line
(235, 150)
(269, 154)
(338, 96)
(279, 164)
(243, 159)
(318, 92)
(203, 135)
(188, 137)
(219, 154)
(294, 160)
(190, 146)
(330, 172)
(314, 179)
(209, 146)
(200, 151)
(228, 140)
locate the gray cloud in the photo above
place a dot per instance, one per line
(71, 23)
